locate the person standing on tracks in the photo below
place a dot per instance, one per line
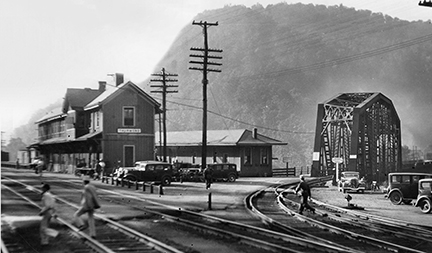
(208, 177)
(305, 195)
(48, 211)
(89, 202)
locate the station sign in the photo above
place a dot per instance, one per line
(128, 130)
(337, 159)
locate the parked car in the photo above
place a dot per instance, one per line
(186, 171)
(350, 181)
(424, 197)
(191, 175)
(403, 186)
(224, 171)
(149, 171)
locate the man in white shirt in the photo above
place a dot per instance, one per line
(48, 211)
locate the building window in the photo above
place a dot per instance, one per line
(263, 156)
(248, 156)
(97, 119)
(129, 116)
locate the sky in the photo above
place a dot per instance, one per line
(47, 46)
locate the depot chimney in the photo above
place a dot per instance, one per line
(119, 79)
(102, 86)
(255, 133)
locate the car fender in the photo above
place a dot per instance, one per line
(419, 200)
(394, 190)
(126, 175)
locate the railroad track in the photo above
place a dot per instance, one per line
(258, 239)
(112, 236)
(273, 204)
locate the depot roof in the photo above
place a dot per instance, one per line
(234, 137)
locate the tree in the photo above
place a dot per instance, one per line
(14, 145)
(406, 152)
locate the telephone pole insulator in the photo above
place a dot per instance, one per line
(164, 90)
(426, 3)
(203, 62)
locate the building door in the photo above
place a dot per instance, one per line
(129, 156)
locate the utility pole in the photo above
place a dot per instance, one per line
(164, 79)
(203, 61)
(426, 3)
(3, 142)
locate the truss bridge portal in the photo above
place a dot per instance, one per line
(362, 130)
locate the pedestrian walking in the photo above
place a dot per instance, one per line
(40, 166)
(89, 202)
(305, 195)
(208, 177)
(102, 168)
(48, 211)
(98, 170)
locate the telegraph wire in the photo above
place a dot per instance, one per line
(242, 122)
(193, 108)
(343, 60)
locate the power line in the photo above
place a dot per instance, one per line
(242, 122)
(351, 58)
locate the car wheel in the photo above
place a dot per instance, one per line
(231, 178)
(426, 206)
(130, 178)
(396, 198)
(166, 181)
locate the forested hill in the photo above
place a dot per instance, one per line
(279, 62)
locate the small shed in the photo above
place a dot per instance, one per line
(249, 150)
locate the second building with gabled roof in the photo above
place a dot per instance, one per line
(249, 150)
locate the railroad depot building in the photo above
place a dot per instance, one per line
(115, 125)
(249, 150)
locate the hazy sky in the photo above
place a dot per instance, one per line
(47, 46)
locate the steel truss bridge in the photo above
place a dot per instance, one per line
(363, 130)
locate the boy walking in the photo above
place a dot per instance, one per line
(48, 211)
(89, 202)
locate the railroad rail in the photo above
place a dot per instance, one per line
(257, 238)
(271, 205)
(112, 236)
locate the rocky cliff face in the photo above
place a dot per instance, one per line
(279, 62)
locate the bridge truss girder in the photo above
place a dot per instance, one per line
(361, 128)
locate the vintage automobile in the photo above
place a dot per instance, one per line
(184, 171)
(403, 186)
(149, 171)
(350, 181)
(424, 197)
(191, 174)
(224, 171)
